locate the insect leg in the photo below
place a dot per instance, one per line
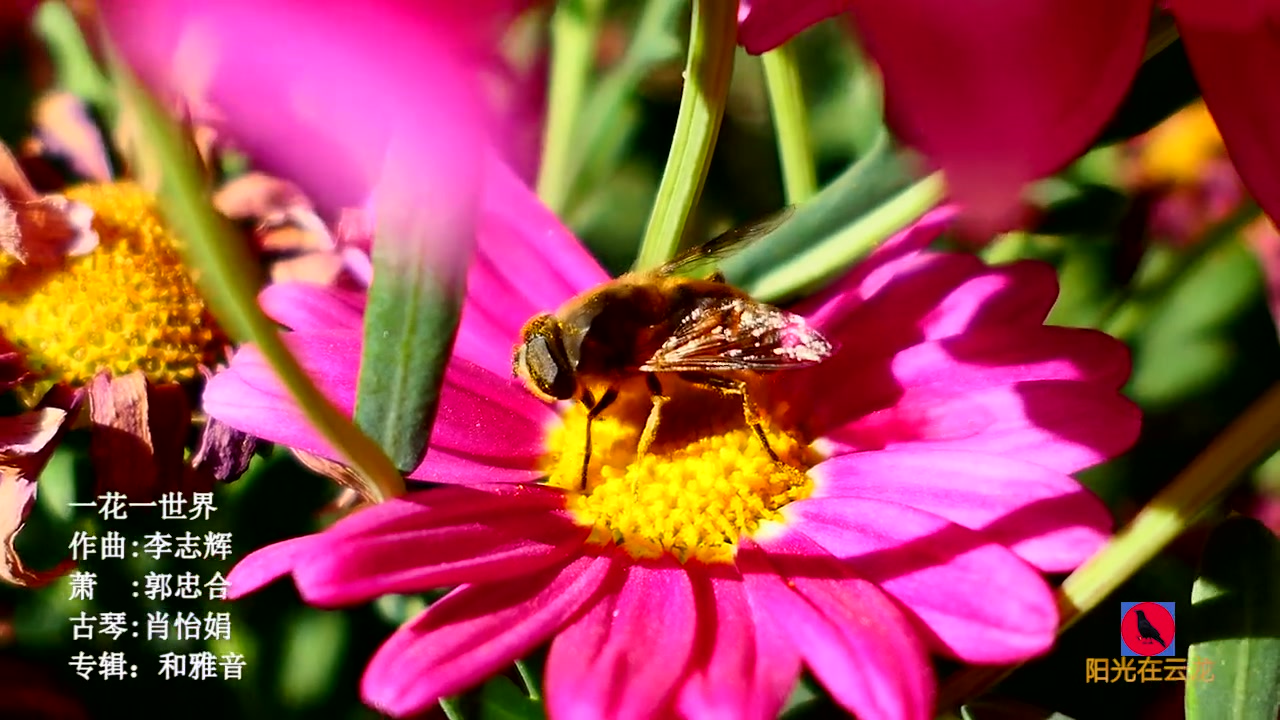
(593, 411)
(731, 386)
(651, 424)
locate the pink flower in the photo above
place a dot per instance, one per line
(350, 101)
(1000, 93)
(700, 579)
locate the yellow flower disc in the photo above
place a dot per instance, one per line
(704, 483)
(128, 305)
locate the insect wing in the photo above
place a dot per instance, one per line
(735, 333)
(726, 243)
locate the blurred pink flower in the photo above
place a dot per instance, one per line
(947, 428)
(350, 101)
(1000, 93)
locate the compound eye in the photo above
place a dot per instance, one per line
(547, 368)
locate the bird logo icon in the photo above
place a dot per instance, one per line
(1147, 629)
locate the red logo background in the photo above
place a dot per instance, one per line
(1158, 617)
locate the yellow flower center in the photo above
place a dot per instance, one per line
(706, 480)
(1177, 150)
(128, 305)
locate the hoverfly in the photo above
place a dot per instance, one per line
(702, 330)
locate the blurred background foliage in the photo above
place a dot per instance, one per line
(1151, 234)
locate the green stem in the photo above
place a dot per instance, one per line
(1248, 440)
(530, 682)
(791, 124)
(452, 708)
(712, 43)
(575, 27)
(835, 253)
(218, 260)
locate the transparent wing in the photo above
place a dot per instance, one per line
(726, 243)
(737, 333)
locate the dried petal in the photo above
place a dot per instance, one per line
(26, 443)
(121, 441)
(47, 229)
(139, 433)
(337, 472)
(169, 418)
(14, 185)
(223, 452)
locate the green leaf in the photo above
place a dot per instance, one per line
(1234, 610)
(815, 258)
(870, 182)
(409, 326)
(502, 699)
(74, 67)
(428, 196)
(219, 262)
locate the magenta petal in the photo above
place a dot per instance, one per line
(304, 306)
(983, 359)
(445, 506)
(354, 78)
(527, 263)
(266, 565)
(473, 632)
(1066, 426)
(482, 418)
(893, 302)
(973, 599)
(855, 639)
(1046, 517)
(740, 670)
(450, 468)
(486, 340)
(625, 657)
(484, 414)
(249, 397)
(494, 542)
(893, 262)
(1027, 87)
(765, 24)
(1233, 51)
(1021, 293)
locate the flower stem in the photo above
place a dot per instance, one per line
(712, 43)
(1254, 434)
(452, 708)
(791, 123)
(218, 261)
(574, 29)
(530, 681)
